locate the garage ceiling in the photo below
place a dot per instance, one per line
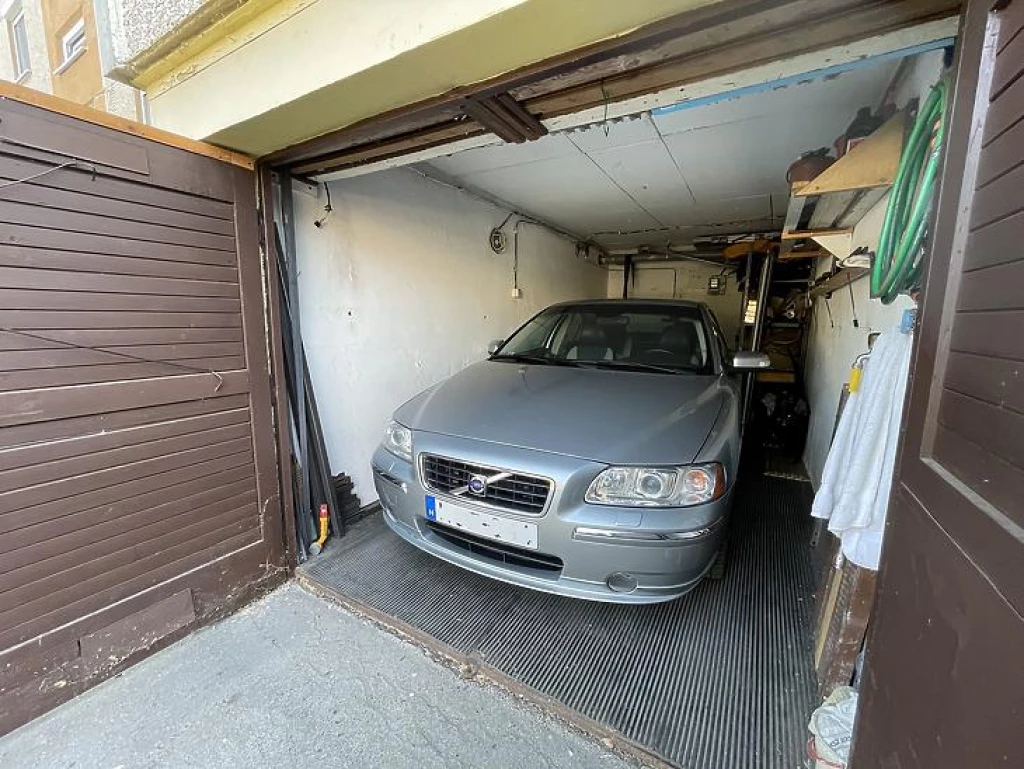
(674, 176)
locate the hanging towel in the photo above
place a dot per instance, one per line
(855, 484)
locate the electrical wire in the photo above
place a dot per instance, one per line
(68, 164)
(127, 356)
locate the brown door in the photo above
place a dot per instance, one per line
(138, 474)
(944, 682)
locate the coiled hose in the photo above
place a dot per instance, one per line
(898, 262)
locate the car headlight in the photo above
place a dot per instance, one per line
(658, 486)
(398, 440)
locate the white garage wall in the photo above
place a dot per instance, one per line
(400, 290)
(833, 346)
(655, 280)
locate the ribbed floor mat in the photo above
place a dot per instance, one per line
(720, 679)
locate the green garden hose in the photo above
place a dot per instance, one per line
(896, 268)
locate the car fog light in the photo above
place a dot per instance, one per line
(620, 582)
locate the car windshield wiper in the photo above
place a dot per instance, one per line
(632, 366)
(538, 359)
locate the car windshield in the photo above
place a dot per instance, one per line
(659, 338)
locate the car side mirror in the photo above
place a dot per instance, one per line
(494, 346)
(750, 361)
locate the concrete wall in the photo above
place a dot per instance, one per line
(321, 65)
(400, 290)
(655, 280)
(834, 344)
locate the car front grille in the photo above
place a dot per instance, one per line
(517, 492)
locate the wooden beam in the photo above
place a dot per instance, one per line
(47, 101)
(711, 41)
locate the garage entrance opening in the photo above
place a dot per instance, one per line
(406, 276)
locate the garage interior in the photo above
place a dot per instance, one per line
(404, 276)
(202, 348)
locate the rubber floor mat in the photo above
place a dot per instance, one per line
(719, 679)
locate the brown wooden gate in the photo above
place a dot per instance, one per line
(944, 685)
(138, 473)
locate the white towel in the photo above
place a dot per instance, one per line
(855, 484)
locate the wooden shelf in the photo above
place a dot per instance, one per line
(836, 199)
(838, 280)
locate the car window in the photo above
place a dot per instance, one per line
(656, 336)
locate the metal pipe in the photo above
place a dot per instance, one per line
(762, 298)
(298, 380)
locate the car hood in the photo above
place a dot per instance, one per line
(618, 417)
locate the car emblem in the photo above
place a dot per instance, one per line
(478, 485)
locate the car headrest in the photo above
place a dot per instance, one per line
(680, 337)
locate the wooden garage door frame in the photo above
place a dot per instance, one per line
(710, 41)
(140, 490)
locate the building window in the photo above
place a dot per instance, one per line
(72, 44)
(19, 44)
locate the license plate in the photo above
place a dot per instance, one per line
(518, 533)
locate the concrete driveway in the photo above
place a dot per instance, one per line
(294, 680)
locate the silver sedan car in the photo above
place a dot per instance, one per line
(593, 454)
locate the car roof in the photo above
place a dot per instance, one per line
(630, 302)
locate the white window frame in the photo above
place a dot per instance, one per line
(68, 47)
(22, 67)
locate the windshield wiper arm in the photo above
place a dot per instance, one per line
(539, 359)
(632, 366)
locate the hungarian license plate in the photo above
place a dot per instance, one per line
(483, 524)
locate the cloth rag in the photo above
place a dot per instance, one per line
(855, 484)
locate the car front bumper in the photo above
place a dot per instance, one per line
(617, 554)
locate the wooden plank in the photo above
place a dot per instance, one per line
(120, 337)
(1011, 23)
(839, 281)
(41, 237)
(117, 498)
(29, 299)
(122, 582)
(119, 190)
(802, 234)
(38, 258)
(1004, 153)
(50, 453)
(998, 199)
(387, 148)
(872, 163)
(989, 333)
(997, 243)
(27, 360)
(993, 288)
(128, 463)
(22, 214)
(45, 101)
(44, 320)
(91, 424)
(66, 140)
(996, 429)
(1009, 65)
(106, 648)
(994, 479)
(35, 379)
(62, 569)
(103, 575)
(1005, 112)
(993, 380)
(84, 201)
(63, 402)
(87, 526)
(59, 280)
